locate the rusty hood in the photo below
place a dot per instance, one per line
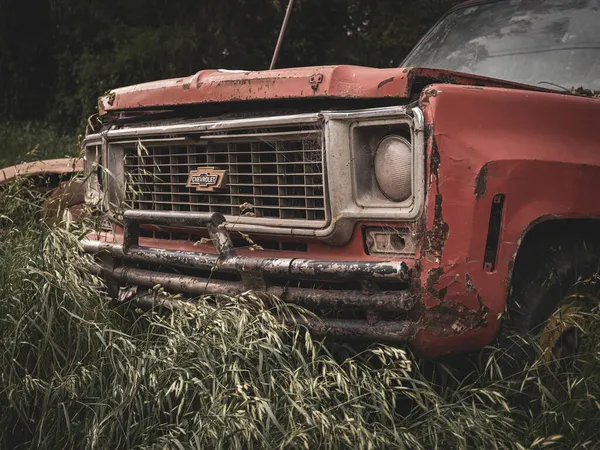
(342, 82)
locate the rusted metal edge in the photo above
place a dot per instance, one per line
(287, 267)
(397, 331)
(49, 166)
(383, 331)
(218, 236)
(400, 301)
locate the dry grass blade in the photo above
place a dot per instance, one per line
(77, 373)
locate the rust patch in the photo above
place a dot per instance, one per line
(433, 277)
(481, 182)
(50, 166)
(436, 237)
(415, 277)
(439, 224)
(434, 160)
(384, 82)
(450, 318)
(469, 283)
(511, 265)
(429, 93)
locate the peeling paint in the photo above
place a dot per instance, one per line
(427, 95)
(481, 182)
(435, 238)
(469, 283)
(384, 82)
(433, 277)
(450, 317)
(434, 159)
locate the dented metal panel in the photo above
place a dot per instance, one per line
(198, 286)
(210, 86)
(539, 151)
(50, 166)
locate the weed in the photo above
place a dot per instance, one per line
(76, 372)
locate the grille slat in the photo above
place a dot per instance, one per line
(284, 163)
(273, 174)
(240, 195)
(234, 205)
(276, 175)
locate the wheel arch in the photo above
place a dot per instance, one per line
(547, 230)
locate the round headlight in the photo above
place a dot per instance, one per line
(393, 168)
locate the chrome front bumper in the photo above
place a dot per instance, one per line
(226, 273)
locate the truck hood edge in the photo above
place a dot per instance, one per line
(341, 82)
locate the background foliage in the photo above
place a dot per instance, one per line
(58, 56)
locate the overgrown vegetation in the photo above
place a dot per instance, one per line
(76, 372)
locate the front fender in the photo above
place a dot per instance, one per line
(539, 150)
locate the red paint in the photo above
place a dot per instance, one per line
(210, 86)
(537, 147)
(541, 151)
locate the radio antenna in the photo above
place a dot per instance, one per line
(281, 33)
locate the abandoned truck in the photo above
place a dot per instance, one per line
(414, 204)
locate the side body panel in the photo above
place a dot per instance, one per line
(542, 151)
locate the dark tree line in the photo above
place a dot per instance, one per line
(57, 56)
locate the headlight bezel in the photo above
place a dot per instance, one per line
(365, 137)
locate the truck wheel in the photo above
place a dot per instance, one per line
(69, 195)
(554, 288)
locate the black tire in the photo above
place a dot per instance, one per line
(549, 269)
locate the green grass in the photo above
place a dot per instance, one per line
(77, 372)
(29, 141)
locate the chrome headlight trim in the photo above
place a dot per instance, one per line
(352, 203)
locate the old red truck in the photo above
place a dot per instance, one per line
(413, 204)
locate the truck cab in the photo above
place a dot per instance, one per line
(413, 204)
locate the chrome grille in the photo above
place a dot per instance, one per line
(271, 174)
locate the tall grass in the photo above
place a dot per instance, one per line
(77, 372)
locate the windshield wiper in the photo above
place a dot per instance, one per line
(581, 91)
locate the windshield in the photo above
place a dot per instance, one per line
(534, 42)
